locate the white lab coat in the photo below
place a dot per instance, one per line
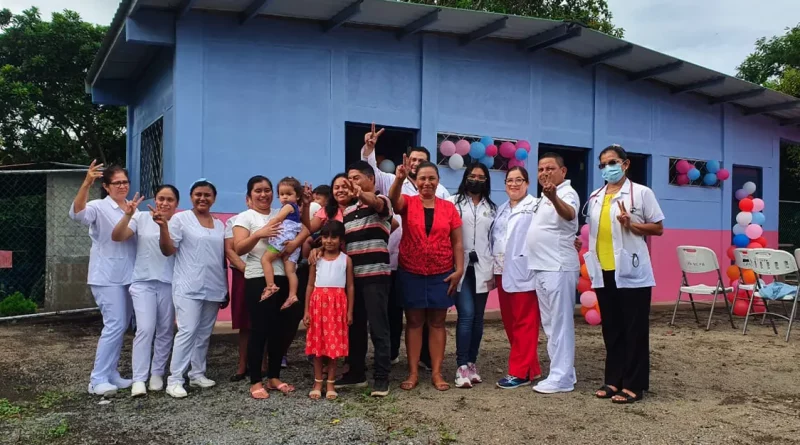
(509, 244)
(476, 227)
(551, 238)
(642, 206)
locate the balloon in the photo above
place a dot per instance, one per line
(682, 179)
(748, 276)
(758, 205)
(584, 285)
(487, 141)
(584, 310)
(581, 254)
(588, 299)
(477, 150)
(447, 148)
(585, 230)
(515, 163)
(386, 166)
(723, 174)
(744, 218)
(712, 166)
(731, 254)
(753, 231)
(584, 271)
(755, 245)
(733, 272)
(491, 150)
(693, 174)
(740, 307)
(507, 150)
(524, 145)
(759, 218)
(462, 147)
(597, 307)
(521, 154)
(762, 241)
(456, 161)
(683, 166)
(709, 179)
(592, 317)
(488, 161)
(738, 229)
(741, 241)
(749, 187)
(740, 194)
(746, 205)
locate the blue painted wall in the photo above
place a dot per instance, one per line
(272, 97)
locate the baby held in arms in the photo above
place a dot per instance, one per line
(289, 193)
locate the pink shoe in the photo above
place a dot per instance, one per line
(474, 377)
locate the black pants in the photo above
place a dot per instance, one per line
(395, 316)
(268, 325)
(625, 317)
(295, 313)
(370, 310)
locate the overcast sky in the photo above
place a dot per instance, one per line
(717, 34)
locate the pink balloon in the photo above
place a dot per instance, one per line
(585, 230)
(758, 205)
(592, 317)
(462, 147)
(753, 231)
(447, 148)
(491, 150)
(524, 144)
(683, 166)
(723, 174)
(588, 299)
(682, 179)
(514, 162)
(507, 150)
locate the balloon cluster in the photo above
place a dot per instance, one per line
(484, 151)
(590, 308)
(688, 172)
(748, 230)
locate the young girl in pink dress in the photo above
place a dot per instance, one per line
(329, 307)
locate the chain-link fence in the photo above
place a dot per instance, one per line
(43, 254)
(789, 225)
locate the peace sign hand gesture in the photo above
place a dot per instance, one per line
(401, 172)
(93, 173)
(354, 189)
(549, 189)
(133, 204)
(371, 138)
(623, 217)
(157, 216)
(308, 193)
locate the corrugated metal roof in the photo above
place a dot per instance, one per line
(118, 59)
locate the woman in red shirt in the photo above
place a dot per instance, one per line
(431, 263)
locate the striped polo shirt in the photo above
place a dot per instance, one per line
(367, 239)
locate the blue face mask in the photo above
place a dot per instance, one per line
(612, 173)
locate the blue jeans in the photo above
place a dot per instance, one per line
(469, 328)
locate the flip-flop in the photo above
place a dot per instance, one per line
(409, 384)
(289, 303)
(259, 394)
(627, 398)
(285, 388)
(331, 395)
(608, 390)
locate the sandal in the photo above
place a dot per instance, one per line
(627, 398)
(331, 395)
(259, 394)
(315, 394)
(410, 383)
(609, 392)
(269, 291)
(238, 377)
(442, 385)
(289, 302)
(285, 388)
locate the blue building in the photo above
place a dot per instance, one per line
(225, 89)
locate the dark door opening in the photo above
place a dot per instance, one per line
(639, 170)
(392, 144)
(742, 174)
(576, 161)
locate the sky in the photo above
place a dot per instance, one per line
(716, 34)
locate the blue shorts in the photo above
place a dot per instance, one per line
(424, 291)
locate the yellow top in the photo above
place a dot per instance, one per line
(605, 246)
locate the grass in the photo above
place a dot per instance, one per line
(8, 409)
(59, 431)
(446, 437)
(52, 399)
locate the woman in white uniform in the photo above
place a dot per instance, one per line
(110, 271)
(151, 290)
(199, 284)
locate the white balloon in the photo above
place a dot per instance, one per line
(739, 229)
(749, 187)
(387, 166)
(744, 218)
(456, 161)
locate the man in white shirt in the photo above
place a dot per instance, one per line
(383, 181)
(552, 257)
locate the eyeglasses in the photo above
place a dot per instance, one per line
(120, 184)
(477, 178)
(515, 181)
(612, 163)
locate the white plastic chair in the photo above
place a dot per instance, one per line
(774, 263)
(694, 260)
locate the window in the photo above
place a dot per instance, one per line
(500, 163)
(678, 179)
(152, 151)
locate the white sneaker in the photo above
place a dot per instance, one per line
(176, 391)
(156, 383)
(202, 382)
(545, 387)
(121, 383)
(103, 389)
(462, 377)
(138, 389)
(473, 373)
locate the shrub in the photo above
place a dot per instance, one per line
(16, 304)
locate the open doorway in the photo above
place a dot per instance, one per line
(392, 145)
(789, 196)
(639, 170)
(576, 161)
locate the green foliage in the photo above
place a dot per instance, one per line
(16, 304)
(8, 409)
(775, 63)
(592, 13)
(59, 431)
(45, 113)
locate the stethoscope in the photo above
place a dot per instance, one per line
(584, 209)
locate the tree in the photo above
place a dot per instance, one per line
(592, 13)
(45, 112)
(775, 63)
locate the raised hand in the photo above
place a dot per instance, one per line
(371, 138)
(133, 204)
(402, 170)
(93, 173)
(308, 193)
(354, 189)
(623, 217)
(157, 216)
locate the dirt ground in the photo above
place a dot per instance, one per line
(707, 388)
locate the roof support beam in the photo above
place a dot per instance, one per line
(749, 94)
(251, 11)
(655, 71)
(486, 31)
(790, 122)
(606, 56)
(111, 92)
(419, 24)
(185, 7)
(712, 82)
(151, 27)
(550, 37)
(775, 107)
(342, 16)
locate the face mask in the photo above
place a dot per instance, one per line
(474, 186)
(612, 173)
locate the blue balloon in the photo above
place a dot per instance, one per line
(487, 141)
(694, 174)
(759, 218)
(712, 166)
(477, 150)
(710, 179)
(521, 154)
(741, 241)
(488, 161)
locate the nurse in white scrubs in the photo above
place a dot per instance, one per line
(151, 290)
(199, 285)
(110, 271)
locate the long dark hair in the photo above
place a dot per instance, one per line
(332, 207)
(108, 175)
(487, 190)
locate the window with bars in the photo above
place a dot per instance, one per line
(152, 151)
(500, 163)
(676, 178)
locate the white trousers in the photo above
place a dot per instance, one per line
(556, 293)
(155, 317)
(115, 306)
(196, 320)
